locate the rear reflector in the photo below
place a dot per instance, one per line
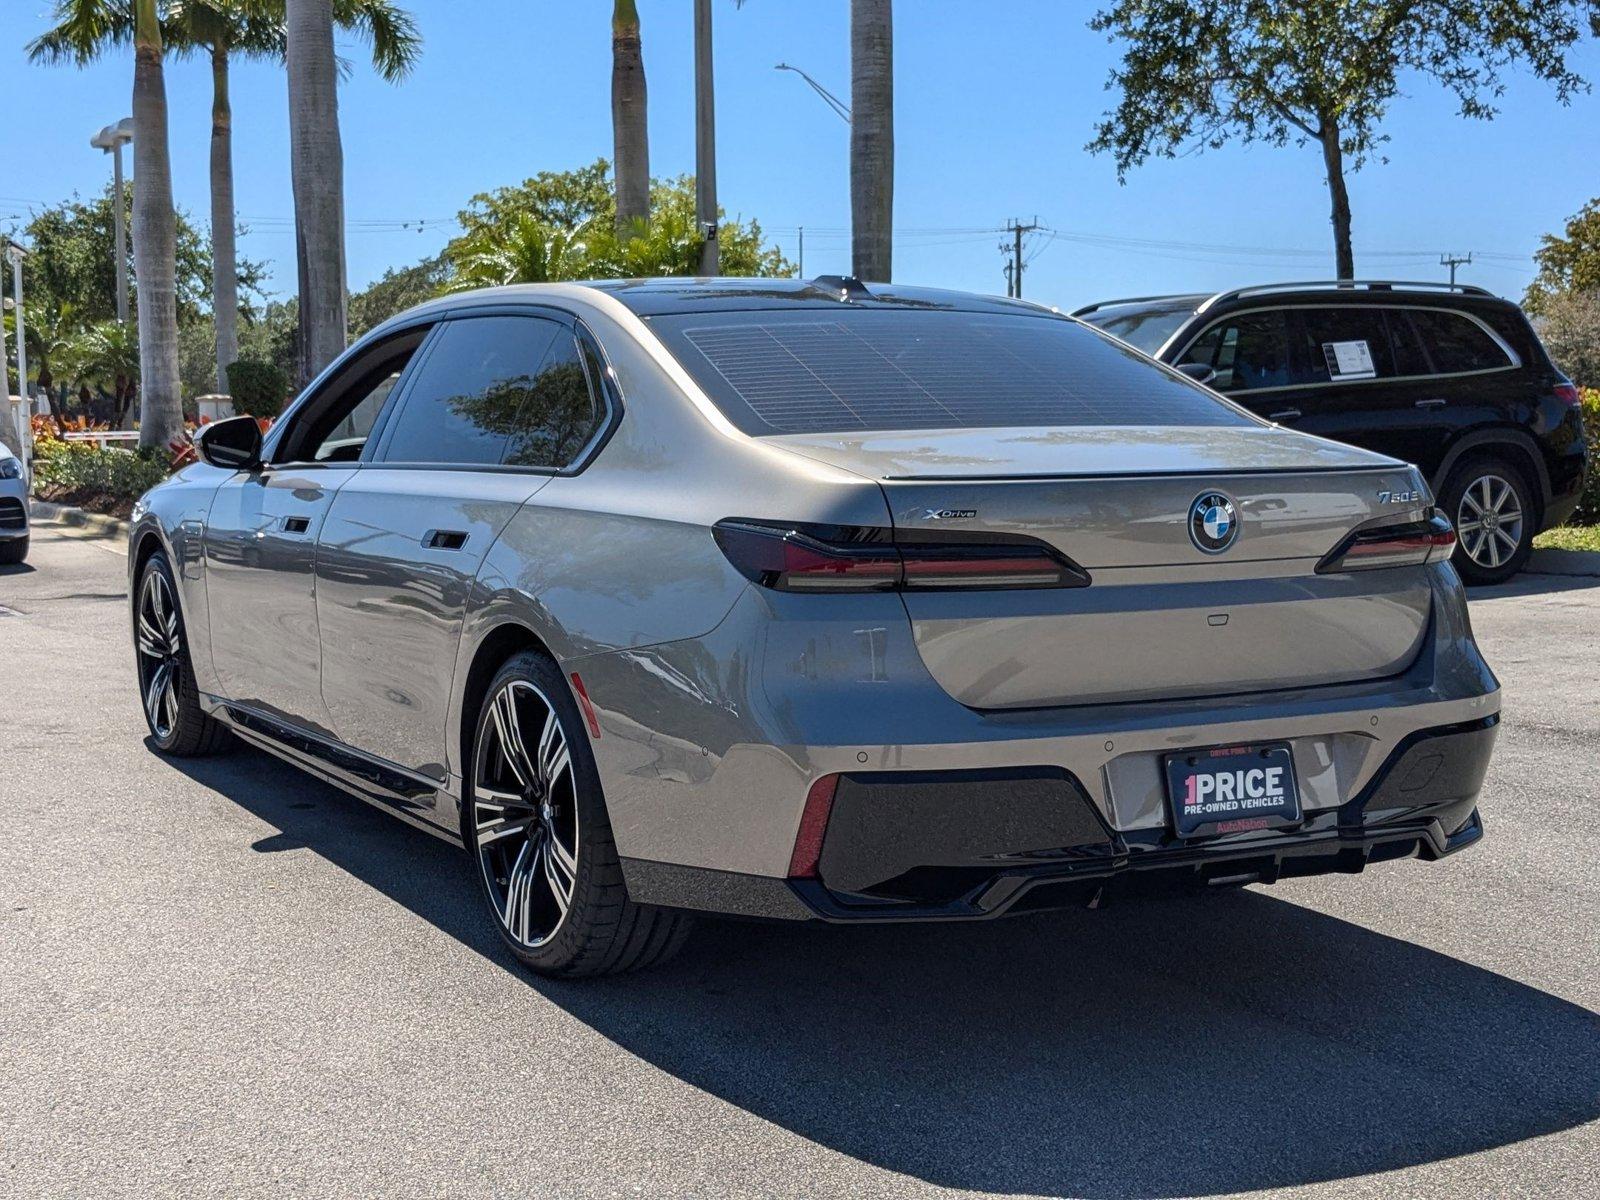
(1411, 544)
(806, 558)
(588, 707)
(813, 827)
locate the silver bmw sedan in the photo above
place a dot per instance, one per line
(813, 601)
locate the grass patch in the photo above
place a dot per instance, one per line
(1569, 537)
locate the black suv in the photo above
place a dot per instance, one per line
(1451, 378)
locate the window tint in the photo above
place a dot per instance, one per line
(1409, 356)
(1456, 343)
(1247, 352)
(554, 415)
(871, 369)
(1339, 345)
(470, 390)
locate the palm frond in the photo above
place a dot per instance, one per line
(83, 31)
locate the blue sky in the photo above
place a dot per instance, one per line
(994, 102)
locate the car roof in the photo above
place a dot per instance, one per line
(1361, 291)
(660, 297)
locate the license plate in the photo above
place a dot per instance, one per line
(1230, 789)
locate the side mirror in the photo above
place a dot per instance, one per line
(1199, 372)
(234, 444)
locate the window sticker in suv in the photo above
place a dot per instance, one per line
(1349, 360)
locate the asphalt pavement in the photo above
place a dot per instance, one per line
(222, 978)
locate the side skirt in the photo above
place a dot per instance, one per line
(410, 797)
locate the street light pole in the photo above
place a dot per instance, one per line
(16, 254)
(111, 139)
(705, 140)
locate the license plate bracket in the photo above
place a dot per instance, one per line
(1232, 789)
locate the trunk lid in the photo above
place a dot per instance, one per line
(1162, 618)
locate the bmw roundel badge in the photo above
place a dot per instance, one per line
(1213, 523)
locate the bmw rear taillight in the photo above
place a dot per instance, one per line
(1405, 545)
(812, 558)
(1569, 395)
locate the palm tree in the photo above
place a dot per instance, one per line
(155, 237)
(84, 30)
(226, 29)
(630, 133)
(107, 356)
(223, 29)
(871, 138)
(317, 156)
(522, 250)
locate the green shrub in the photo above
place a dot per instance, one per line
(80, 466)
(1588, 510)
(258, 388)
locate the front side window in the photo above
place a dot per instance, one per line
(1248, 352)
(462, 405)
(810, 371)
(335, 424)
(1456, 343)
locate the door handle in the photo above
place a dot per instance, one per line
(1435, 403)
(444, 539)
(296, 524)
(1285, 414)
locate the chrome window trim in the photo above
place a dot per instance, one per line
(1514, 360)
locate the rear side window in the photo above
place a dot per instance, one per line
(1456, 343)
(885, 369)
(555, 414)
(1248, 352)
(465, 401)
(1342, 345)
(1144, 328)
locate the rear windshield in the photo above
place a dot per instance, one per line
(869, 369)
(1145, 328)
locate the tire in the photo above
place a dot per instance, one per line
(13, 550)
(177, 723)
(535, 825)
(1491, 505)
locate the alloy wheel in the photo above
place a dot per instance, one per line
(525, 813)
(1489, 521)
(160, 649)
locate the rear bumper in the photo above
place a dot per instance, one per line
(942, 856)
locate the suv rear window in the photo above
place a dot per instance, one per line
(885, 369)
(1456, 343)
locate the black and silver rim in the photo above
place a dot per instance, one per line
(525, 814)
(159, 646)
(1489, 521)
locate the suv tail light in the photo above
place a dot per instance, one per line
(1568, 394)
(1411, 544)
(815, 558)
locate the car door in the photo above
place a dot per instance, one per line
(261, 536)
(499, 403)
(1363, 380)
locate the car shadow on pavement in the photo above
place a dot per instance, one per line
(1224, 1043)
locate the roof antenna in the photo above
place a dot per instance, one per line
(848, 286)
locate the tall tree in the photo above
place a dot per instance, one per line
(224, 30)
(1197, 73)
(155, 237)
(872, 138)
(317, 170)
(630, 134)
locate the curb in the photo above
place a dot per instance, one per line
(1564, 562)
(97, 523)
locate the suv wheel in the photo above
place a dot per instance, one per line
(535, 823)
(178, 725)
(13, 550)
(1492, 507)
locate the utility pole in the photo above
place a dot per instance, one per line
(16, 254)
(1452, 261)
(1017, 229)
(802, 252)
(705, 139)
